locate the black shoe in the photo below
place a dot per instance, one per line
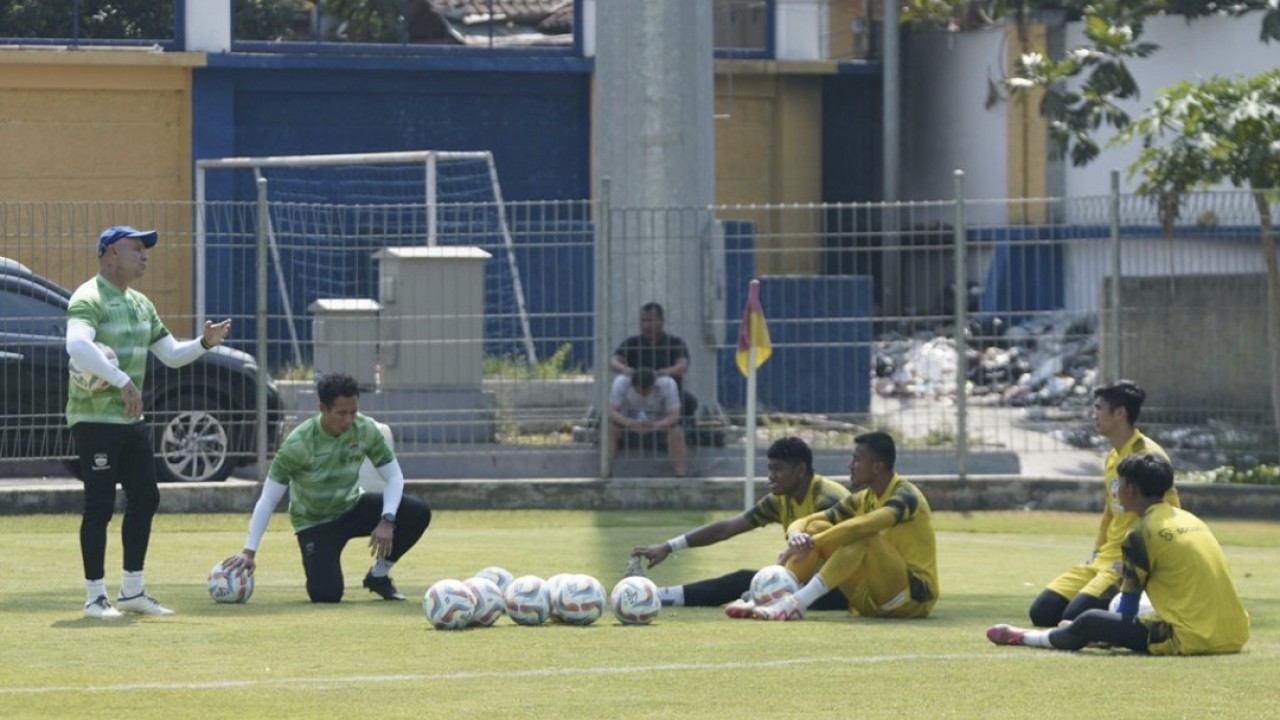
(382, 586)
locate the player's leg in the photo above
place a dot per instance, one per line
(98, 465)
(142, 499)
(1095, 595)
(712, 592)
(360, 521)
(1048, 608)
(675, 446)
(1103, 627)
(321, 548)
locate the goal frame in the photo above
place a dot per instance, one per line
(429, 160)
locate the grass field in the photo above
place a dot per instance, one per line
(280, 657)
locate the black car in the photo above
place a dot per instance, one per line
(202, 415)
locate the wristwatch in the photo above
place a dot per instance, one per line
(389, 517)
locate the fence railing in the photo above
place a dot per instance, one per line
(863, 304)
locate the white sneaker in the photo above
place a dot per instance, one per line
(100, 609)
(784, 608)
(142, 604)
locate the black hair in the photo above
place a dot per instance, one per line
(1125, 394)
(644, 378)
(1152, 475)
(335, 385)
(793, 449)
(654, 308)
(881, 445)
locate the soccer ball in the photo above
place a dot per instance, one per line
(635, 600)
(86, 380)
(580, 600)
(772, 582)
(448, 605)
(498, 576)
(527, 600)
(489, 603)
(1144, 604)
(230, 586)
(554, 583)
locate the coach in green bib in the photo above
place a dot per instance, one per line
(110, 329)
(319, 464)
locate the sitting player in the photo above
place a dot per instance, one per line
(1174, 557)
(795, 491)
(877, 546)
(1094, 582)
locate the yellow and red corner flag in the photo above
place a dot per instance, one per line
(753, 332)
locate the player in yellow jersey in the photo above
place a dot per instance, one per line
(1174, 557)
(795, 491)
(1093, 583)
(877, 547)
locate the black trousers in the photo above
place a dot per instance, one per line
(111, 454)
(727, 588)
(1103, 626)
(322, 545)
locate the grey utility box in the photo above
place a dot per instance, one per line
(432, 325)
(345, 335)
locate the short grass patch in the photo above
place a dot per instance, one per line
(281, 657)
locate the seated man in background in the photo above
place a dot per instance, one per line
(666, 354)
(1173, 556)
(643, 407)
(795, 491)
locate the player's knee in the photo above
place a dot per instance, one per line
(325, 595)
(1047, 609)
(1082, 604)
(813, 527)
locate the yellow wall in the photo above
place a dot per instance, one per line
(769, 151)
(102, 127)
(1028, 146)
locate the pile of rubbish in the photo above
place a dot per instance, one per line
(1049, 359)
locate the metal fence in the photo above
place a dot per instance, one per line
(487, 352)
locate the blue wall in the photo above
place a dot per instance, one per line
(532, 114)
(820, 328)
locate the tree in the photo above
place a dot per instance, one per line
(1217, 131)
(1114, 29)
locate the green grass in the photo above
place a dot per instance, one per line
(280, 657)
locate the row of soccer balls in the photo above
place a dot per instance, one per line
(574, 599)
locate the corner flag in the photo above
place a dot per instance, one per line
(753, 332)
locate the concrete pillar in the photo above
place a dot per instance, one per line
(653, 137)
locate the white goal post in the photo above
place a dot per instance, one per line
(482, 191)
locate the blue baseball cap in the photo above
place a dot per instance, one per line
(119, 232)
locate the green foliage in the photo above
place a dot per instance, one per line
(99, 19)
(1198, 134)
(268, 19)
(556, 367)
(370, 21)
(1256, 475)
(1114, 29)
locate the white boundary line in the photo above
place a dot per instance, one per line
(507, 675)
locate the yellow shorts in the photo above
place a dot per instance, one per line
(1096, 579)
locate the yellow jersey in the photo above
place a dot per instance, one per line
(1175, 558)
(1116, 521)
(822, 494)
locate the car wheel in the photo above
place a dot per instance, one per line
(193, 445)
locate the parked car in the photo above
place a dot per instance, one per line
(202, 415)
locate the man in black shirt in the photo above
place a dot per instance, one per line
(654, 348)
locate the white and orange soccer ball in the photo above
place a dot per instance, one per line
(489, 603)
(448, 605)
(580, 600)
(230, 586)
(771, 583)
(527, 600)
(635, 600)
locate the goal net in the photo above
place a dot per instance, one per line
(328, 214)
